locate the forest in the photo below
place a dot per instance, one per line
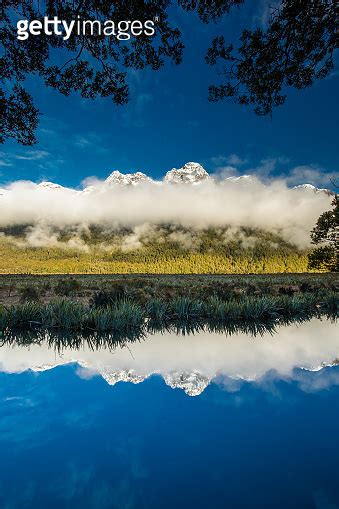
(165, 249)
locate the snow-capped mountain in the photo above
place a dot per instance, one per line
(310, 187)
(116, 178)
(127, 179)
(247, 179)
(190, 173)
(49, 185)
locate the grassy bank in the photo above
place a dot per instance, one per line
(16, 289)
(123, 316)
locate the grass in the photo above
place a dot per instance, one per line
(125, 315)
(101, 289)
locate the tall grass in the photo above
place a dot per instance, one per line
(122, 315)
(182, 313)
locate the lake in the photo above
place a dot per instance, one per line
(205, 420)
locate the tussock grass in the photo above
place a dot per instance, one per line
(184, 313)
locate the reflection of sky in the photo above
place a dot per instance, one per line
(67, 442)
(70, 441)
(309, 345)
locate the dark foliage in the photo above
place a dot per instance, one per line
(19, 117)
(104, 299)
(295, 49)
(29, 293)
(326, 232)
(67, 287)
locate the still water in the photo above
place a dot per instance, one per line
(198, 421)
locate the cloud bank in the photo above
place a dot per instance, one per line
(235, 203)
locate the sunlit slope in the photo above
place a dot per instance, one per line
(165, 249)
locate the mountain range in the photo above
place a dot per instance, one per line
(191, 173)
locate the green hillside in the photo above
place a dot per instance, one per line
(162, 249)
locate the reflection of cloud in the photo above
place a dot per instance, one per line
(316, 381)
(4, 161)
(307, 380)
(207, 354)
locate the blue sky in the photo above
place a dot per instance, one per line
(169, 121)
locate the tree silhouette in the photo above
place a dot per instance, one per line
(326, 232)
(295, 49)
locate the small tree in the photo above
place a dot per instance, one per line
(326, 233)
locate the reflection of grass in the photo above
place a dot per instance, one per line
(124, 315)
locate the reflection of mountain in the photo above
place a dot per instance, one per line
(192, 383)
(122, 376)
(189, 363)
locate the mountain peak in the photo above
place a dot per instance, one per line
(251, 179)
(49, 185)
(310, 187)
(127, 179)
(190, 173)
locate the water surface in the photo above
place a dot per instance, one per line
(204, 420)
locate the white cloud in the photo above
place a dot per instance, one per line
(32, 155)
(236, 160)
(232, 159)
(310, 175)
(226, 171)
(86, 141)
(268, 168)
(271, 206)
